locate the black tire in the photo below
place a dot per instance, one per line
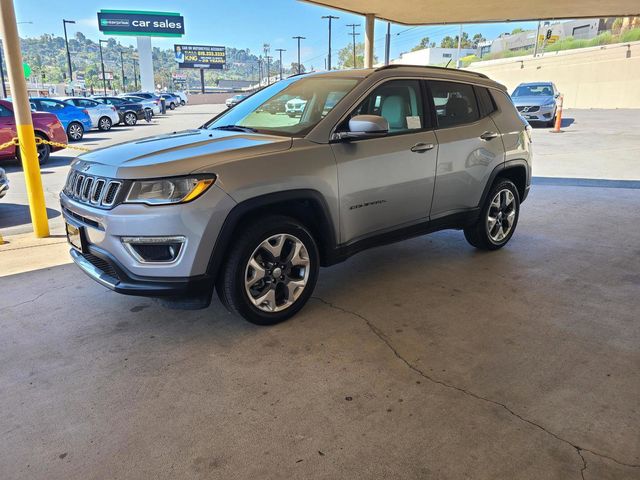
(182, 103)
(478, 234)
(44, 151)
(172, 106)
(104, 124)
(130, 119)
(75, 131)
(231, 281)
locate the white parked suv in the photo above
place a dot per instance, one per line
(103, 117)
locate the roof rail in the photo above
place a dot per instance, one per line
(399, 65)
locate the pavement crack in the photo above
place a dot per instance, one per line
(37, 297)
(383, 338)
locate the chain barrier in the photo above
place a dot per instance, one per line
(40, 141)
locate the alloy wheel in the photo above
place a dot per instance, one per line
(130, 119)
(501, 215)
(75, 131)
(277, 273)
(104, 124)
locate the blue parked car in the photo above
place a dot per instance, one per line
(75, 120)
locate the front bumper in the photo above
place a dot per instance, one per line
(537, 113)
(106, 259)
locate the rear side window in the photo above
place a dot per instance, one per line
(455, 103)
(5, 112)
(485, 101)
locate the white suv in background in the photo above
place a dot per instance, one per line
(103, 117)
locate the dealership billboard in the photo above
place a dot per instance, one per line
(141, 24)
(200, 56)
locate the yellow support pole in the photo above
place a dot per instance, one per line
(24, 125)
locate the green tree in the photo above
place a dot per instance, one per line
(449, 42)
(477, 39)
(345, 56)
(424, 43)
(516, 30)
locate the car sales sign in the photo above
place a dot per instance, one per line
(143, 24)
(200, 56)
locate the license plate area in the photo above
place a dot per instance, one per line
(75, 237)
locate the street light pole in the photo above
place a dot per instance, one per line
(458, 62)
(104, 78)
(280, 50)
(4, 87)
(353, 34)
(299, 38)
(387, 44)
(329, 17)
(123, 79)
(66, 42)
(268, 70)
(135, 75)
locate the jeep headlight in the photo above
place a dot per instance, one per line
(550, 103)
(168, 191)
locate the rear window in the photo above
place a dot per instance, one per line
(486, 104)
(455, 103)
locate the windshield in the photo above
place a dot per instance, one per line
(290, 107)
(540, 90)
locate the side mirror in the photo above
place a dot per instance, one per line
(364, 126)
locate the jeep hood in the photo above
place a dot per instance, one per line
(178, 153)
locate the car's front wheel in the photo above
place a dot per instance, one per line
(104, 124)
(270, 272)
(498, 218)
(44, 150)
(172, 106)
(130, 119)
(75, 131)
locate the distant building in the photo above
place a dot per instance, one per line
(549, 34)
(231, 84)
(433, 56)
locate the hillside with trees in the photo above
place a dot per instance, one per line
(47, 57)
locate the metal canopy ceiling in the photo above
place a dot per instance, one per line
(426, 12)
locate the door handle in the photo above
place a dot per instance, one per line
(422, 147)
(488, 135)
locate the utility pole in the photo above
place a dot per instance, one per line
(66, 42)
(387, 44)
(4, 87)
(299, 38)
(280, 50)
(124, 80)
(135, 75)
(458, 63)
(329, 17)
(268, 70)
(104, 78)
(354, 34)
(202, 89)
(535, 50)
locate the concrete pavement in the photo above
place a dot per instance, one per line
(423, 359)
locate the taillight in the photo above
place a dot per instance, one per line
(113, 108)
(86, 111)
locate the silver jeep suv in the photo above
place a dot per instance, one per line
(253, 203)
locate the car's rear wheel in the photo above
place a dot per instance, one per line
(498, 218)
(130, 119)
(75, 131)
(172, 106)
(104, 124)
(182, 103)
(270, 272)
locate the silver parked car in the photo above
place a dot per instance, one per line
(103, 117)
(537, 102)
(253, 203)
(233, 101)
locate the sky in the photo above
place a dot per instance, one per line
(244, 24)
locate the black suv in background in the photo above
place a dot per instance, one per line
(129, 112)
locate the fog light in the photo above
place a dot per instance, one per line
(154, 249)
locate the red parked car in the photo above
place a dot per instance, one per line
(45, 125)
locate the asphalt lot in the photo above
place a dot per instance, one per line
(595, 144)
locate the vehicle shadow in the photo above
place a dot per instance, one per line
(14, 165)
(566, 122)
(14, 214)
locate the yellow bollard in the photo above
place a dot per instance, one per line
(24, 124)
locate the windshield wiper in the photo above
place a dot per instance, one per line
(236, 128)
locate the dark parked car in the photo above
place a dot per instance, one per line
(45, 125)
(129, 112)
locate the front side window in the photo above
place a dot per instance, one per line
(398, 101)
(455, 103)
(290, 107)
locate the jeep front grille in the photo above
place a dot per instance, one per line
(92, 190)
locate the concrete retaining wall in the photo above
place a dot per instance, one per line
(209, 98)
(597, 77)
